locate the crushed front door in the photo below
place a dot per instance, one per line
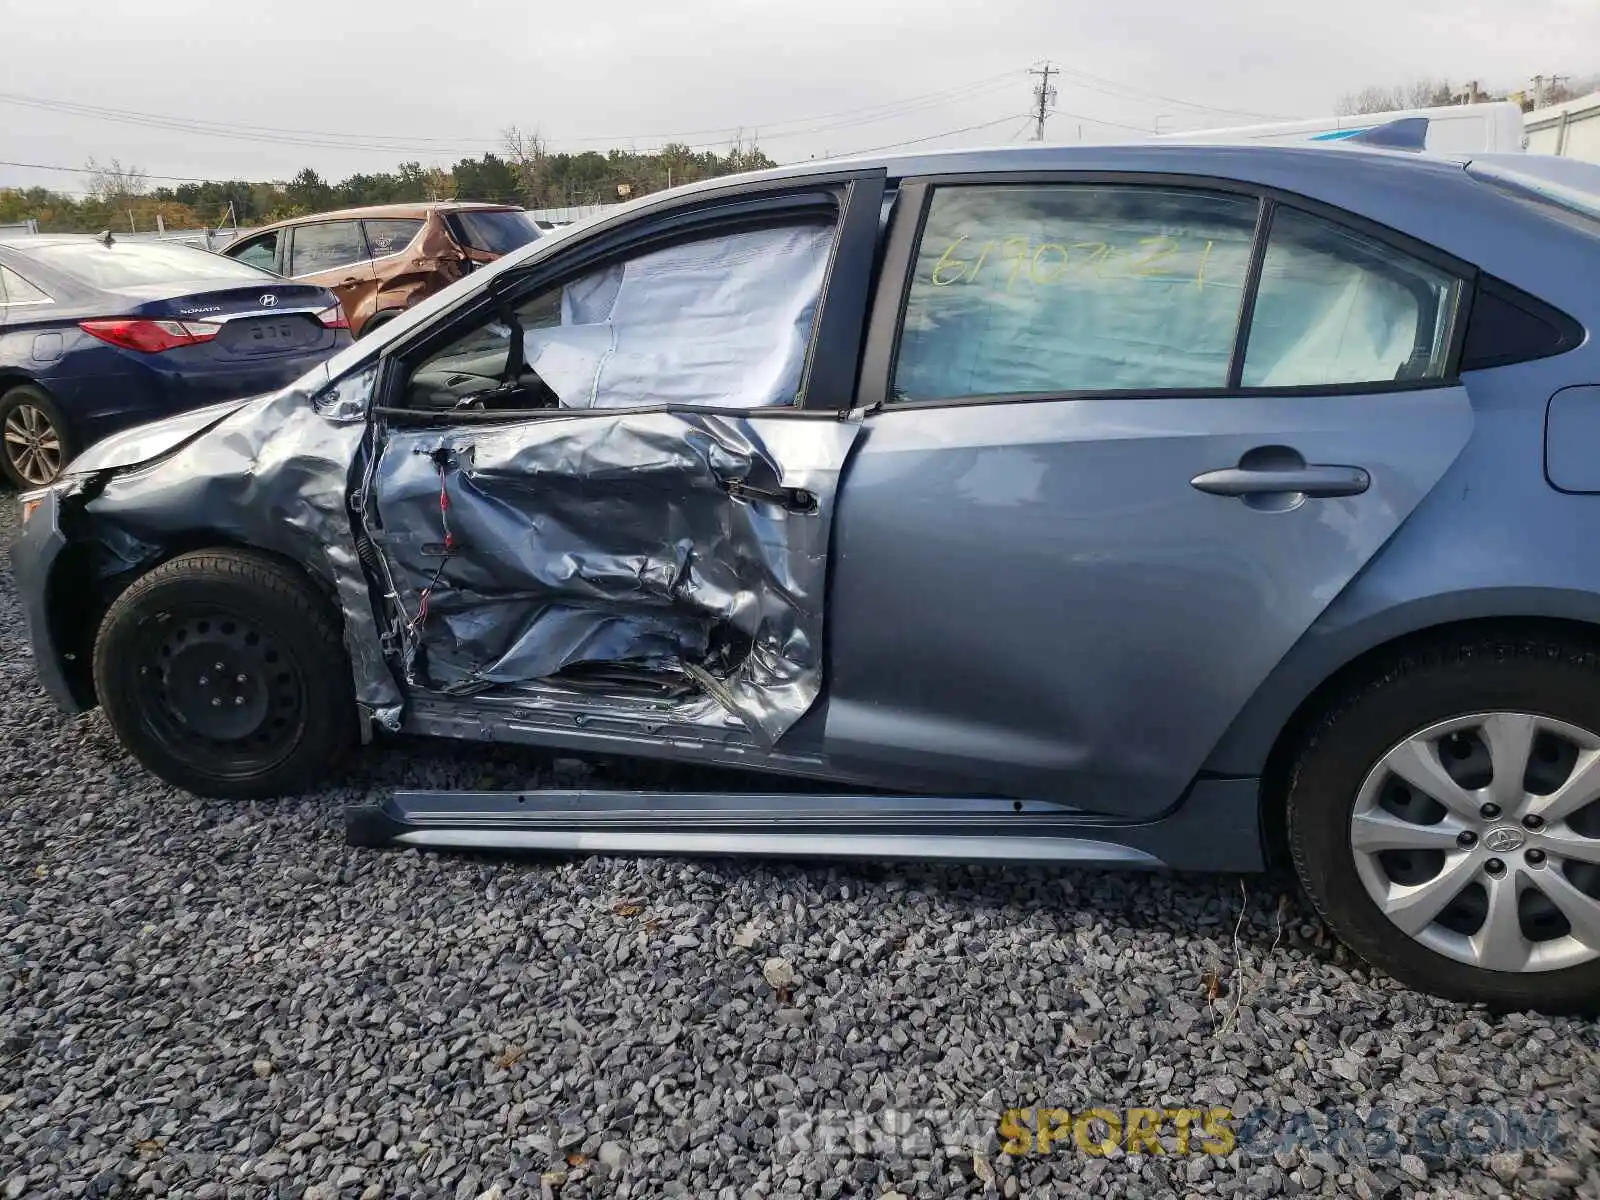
(676, 554)
(642, 529)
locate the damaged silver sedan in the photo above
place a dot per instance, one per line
(1078, 505)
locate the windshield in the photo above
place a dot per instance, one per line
(1565, 184)
(127, 264)
(493, 232)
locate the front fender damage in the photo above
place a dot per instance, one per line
(274, 476)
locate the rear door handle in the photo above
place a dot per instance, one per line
(1315, 481)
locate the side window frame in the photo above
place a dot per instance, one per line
(7, 300)
(832, 360)
(365, 253)
(886, 324)
(280, 243)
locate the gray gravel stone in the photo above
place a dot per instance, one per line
(444, 1025)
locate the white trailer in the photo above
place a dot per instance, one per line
(1452, 129)
(1569, 130)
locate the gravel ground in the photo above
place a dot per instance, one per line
(204, 999)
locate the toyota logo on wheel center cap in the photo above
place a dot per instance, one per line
(1504, 839)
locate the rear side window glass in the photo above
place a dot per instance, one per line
(493, 232)
(326, 247)
(390, 236)
(1073, 288)
(14, 289)
(1336, 308)
(1509, 326)
(262, 252)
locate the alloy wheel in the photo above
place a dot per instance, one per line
(1479, 837)
(32, 444)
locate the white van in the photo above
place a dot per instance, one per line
(1453, 129)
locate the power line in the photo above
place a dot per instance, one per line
(96, 171)
(935, 136)
(397, 144)
(1101, 121)
(1123, 91)
(222, 182)
(963, 91)
(773, 131)
(1027, 119)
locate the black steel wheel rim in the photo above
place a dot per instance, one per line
(221, 691)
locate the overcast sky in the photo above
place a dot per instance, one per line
(440, 80)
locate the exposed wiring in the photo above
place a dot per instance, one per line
(416, 623)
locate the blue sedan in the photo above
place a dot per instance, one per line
(1160, 505)
(98, 334)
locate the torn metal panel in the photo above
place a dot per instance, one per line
(663, 543)
(273, 474)
(405, 274)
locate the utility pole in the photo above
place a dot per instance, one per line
(1044, 97)
(1554, 92)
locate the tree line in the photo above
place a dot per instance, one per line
(1436, 93)
(526, 172)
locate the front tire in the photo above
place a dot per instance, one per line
(1444, 819)
(223, 672)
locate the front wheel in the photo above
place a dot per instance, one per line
(223, 672)
(1444, 819)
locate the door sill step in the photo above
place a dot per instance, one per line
(780, 825)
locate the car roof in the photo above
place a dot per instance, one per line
(418, 208)
(22, 241)
(1342, 174)
(1222, 159)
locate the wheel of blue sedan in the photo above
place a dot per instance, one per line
(34, 443)
(1445, 820)
(223, 672)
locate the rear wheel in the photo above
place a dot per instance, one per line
(379, 319)
(34, 440)
(1444, 818)
(223, 672)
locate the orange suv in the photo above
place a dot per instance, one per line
(381, 260)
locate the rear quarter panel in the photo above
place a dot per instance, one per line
(431, 262)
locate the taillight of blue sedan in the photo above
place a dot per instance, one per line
(97, 335)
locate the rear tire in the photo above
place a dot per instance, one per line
(378, 320)
(35, 441)
(1392, 806)
(223, 672)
